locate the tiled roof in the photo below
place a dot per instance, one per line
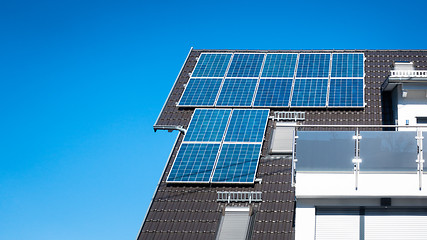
(192, 212)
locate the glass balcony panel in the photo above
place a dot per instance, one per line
(388, 151)
(325, 151)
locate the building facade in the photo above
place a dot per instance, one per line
(313, 144)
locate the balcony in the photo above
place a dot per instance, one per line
(408, 74)
(359, 163)
(404, 76)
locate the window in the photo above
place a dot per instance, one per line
(235, 223)
(421, 120)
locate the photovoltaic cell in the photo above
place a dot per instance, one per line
(194, 163)
(309, 92)
(279, 65)
(247, 125)
(200, 92)
(347, 65)
(273, 92)
(237, 92)
(346, 92)
(212, 65)
(207, 125)
(313, 65)
(245, 65)
(237, 163)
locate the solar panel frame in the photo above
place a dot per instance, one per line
(250, 173)
(200, 94)
(218, 74)
(329, 82)
(228, 97)
(177, 162)
(234, 70)
(297, 99)
(360, 69)
(195, 120)
(293, 81)
(306, 68)
(267, 73)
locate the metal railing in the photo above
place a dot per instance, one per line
(239, 197)
(286, 116)
(408, 73)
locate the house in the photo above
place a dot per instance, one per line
(310, 144)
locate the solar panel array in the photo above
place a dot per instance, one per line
(276, 80)
(221, 146)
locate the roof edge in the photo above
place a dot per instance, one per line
(173, 87)
(311, 50)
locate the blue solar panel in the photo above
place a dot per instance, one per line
(279, 65)
(347, 65)
(245, 65)
(194, 163)
(247, 125)
(346, 92)
(212, 65)
(237, 92)
(207, 125)
(200, 92)
(313, 65)
(237, 163)
(273, 92)
(310, 92)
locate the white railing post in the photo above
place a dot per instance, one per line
(420, 157)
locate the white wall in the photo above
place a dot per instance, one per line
(305, 221)
(338, 190)
(412, 106)
(327, 185)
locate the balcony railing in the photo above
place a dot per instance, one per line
(408, 73)
(360, 151)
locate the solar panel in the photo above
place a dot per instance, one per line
(245, 65)
(313, 65)
(247, 125)
(194, 163)
(200, 92)
(279, 65)
(273, 92)
(237, 163)
(237, 92)
(309, 92)
(346, 92)
(207, 125)
(347, 65)
(212, 65)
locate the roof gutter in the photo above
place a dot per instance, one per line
(170, 128)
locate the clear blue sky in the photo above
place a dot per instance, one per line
(82, 83)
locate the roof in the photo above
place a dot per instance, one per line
(191, 211)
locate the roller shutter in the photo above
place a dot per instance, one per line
(234, 224)
(396, 224)
(337, 224)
